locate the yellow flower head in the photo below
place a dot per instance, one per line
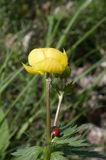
(46, 60)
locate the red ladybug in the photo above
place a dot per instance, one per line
(55, 131)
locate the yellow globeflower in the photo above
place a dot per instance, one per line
(46, 60)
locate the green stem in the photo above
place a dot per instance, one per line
(48, 119)
(47, 153)
(48, 114)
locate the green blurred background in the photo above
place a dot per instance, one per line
(79, 27)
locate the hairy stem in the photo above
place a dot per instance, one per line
(48, 114)
(48, 119)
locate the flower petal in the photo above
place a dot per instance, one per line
(30, 69)
(49, 66)
(57, 55)
(37, 55)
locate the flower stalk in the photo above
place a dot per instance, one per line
(60, 96)
(48, 112)
(48, 119)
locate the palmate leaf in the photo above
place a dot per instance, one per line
(57, 156)
(70, 144)
(74, 141)
(29, 153)
(69, 137)
(70, 131)
(69, 87)
(82, 152)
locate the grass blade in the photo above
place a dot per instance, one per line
(71, 22)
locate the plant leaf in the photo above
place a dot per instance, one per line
(74, 141)
(83, 152)
(4, 135)
(57, 156)
(68, 88)
(70, 131)
(30, 153)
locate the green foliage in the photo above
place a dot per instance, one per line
(83, 6)
(82, 152)
(73, 143)
(4, 135)
(29, 153)
(69, 138)
(70, 143)
(57, 156)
